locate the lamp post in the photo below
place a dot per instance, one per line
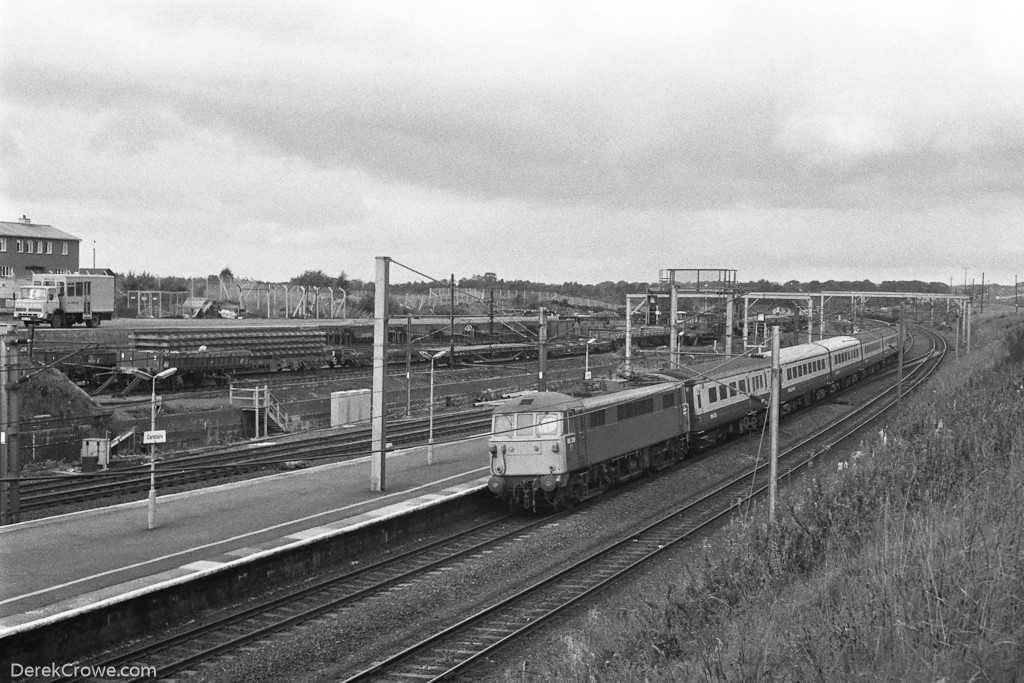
(586, 361)
(152, 427)
(430, 433)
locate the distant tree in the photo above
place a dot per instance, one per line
(342, 281)
(313, 278)
(226, 274)
(143, 281)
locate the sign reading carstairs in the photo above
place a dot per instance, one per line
(155, 436)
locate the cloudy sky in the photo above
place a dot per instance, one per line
(552, 141)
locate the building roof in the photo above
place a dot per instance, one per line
(34, 230)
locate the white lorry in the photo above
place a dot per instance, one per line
(66, 299)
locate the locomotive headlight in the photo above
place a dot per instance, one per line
(554, 447)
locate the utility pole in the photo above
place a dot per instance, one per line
(10, 457)
(542, 354)
(378, 421)
(5, 472)
(967, 330)
(899, 354)
(673, 326)
(982, 310)
(451, 320)
(773, 426)
(408, 365)
(730, 304)
(629, 335)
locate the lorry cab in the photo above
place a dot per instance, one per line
(33, 301)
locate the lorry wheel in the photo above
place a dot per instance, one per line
(92, 322)
(57, 319)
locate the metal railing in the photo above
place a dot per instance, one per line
(262, 402)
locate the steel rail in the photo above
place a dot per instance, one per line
(204, 642)
(176, 471)
(457, 647)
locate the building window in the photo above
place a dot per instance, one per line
(63, 248)
(30, 246)
(17, 245)
(3, 244)
(7, 272)
(49, 247)
(39, 246)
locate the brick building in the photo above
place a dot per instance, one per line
(27, 248)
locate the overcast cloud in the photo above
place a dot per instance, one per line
(551, 141)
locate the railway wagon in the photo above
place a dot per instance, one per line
(193, 366)
(84, 367)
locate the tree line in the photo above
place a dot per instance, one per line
(608, 290)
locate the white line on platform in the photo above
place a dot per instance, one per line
(240, 536)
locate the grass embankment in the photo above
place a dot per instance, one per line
(906, 564)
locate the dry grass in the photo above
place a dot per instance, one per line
(907, 564)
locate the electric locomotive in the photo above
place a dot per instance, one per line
(553, 449)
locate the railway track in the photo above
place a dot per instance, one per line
(38, 494)
(454, 648)
(204, 643)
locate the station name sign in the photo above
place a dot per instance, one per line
(155, 436)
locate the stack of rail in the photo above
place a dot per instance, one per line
(270, 348)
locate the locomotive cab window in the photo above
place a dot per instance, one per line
(503, 425)
(524, 424)
(547, 424)
(712, 394)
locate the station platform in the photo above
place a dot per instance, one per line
(61, 567)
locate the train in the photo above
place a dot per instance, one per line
(549, 449)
